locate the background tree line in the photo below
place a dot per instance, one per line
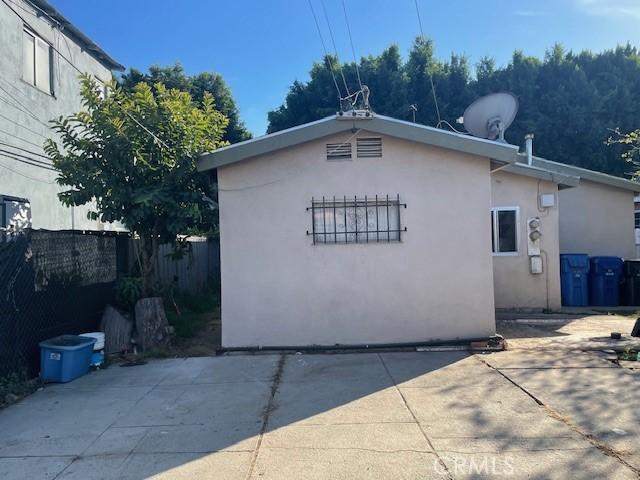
(573, 102)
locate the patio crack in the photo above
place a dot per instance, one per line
(551, 412)
(275, 383)
(415, 419)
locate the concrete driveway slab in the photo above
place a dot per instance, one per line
(547, 359)
(361, 367)
(324, 416)
(178, 466)
(586, 464)
(381, 437)
(202, 404)
(325, 402)
(238, 437)
(33, 467)
(62, 421)
(435, 369)
(352, 464)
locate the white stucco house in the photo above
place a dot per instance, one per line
(370, 230)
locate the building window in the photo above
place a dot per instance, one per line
(15, 213)
(356, 220)
(504, 230)
(636, 217)
(37, 62)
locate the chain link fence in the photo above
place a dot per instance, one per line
(51, 283)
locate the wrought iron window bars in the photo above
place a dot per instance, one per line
(356, 220)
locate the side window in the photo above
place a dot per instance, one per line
(37, 62)
(15, 213)
(504, 230)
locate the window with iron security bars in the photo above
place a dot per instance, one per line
(356, 220)
(369, 147)
(338, 151)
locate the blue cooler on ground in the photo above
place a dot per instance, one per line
(574, 286)
(65, 358)
(604, 281)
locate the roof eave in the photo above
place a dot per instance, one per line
(501, 152)
(585, 174)
(561, 179)
(89, 45)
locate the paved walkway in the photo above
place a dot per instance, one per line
(358, 416)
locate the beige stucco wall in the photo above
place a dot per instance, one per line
(515, 287)
(280, 289)
(597, 219)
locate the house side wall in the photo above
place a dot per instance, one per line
(515, 287)
(597, 219)
(25, 111)
(280, 289)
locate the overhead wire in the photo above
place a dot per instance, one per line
(326, 54)
(353, 50)
(2, 165)
(335, 49)
(25, 160)
(55, 49)
(23, 150)
(20, 106)
(18, 124)
(433, 88)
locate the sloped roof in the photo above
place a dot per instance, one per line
(562, 179)
(380, 124)
(585, 174)
(87, 44)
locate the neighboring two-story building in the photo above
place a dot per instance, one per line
(43, 55)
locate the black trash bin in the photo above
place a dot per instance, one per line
(630, 283)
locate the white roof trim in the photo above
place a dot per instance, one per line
(532, 171)
(585, 174)
(414, 132)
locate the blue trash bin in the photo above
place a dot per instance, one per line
(574, 273)
(604, 281)
(65, 358)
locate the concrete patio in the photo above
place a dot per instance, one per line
(390, 415)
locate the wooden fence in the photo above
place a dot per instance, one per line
(193, 272)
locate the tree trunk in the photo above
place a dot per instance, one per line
(151, 323)
(148, 256)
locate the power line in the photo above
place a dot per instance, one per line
(33, 161)
(29, 152)
(25, 160)
(324, 48)
(433, 88)
(13, 135)
(8, 119)
(21, 106)
(353, 50)
(335, 49)
(26, 176)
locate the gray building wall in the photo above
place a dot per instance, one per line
(25, 111)
(597, 219)
(515, 287)
(280, 289)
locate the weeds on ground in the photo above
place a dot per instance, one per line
(15, 386)
(189, 313)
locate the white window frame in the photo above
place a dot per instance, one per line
(495, 232)
(37, 38)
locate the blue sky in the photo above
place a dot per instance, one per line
(262, 46)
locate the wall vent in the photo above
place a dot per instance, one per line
(369, 147)
(338, 151)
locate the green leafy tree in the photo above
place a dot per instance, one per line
(571, 101)
(132, 157)
(198, 85)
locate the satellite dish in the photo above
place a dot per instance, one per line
(489, 116)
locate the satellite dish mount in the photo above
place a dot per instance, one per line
(491, 115)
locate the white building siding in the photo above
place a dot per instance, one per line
(280, 289)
